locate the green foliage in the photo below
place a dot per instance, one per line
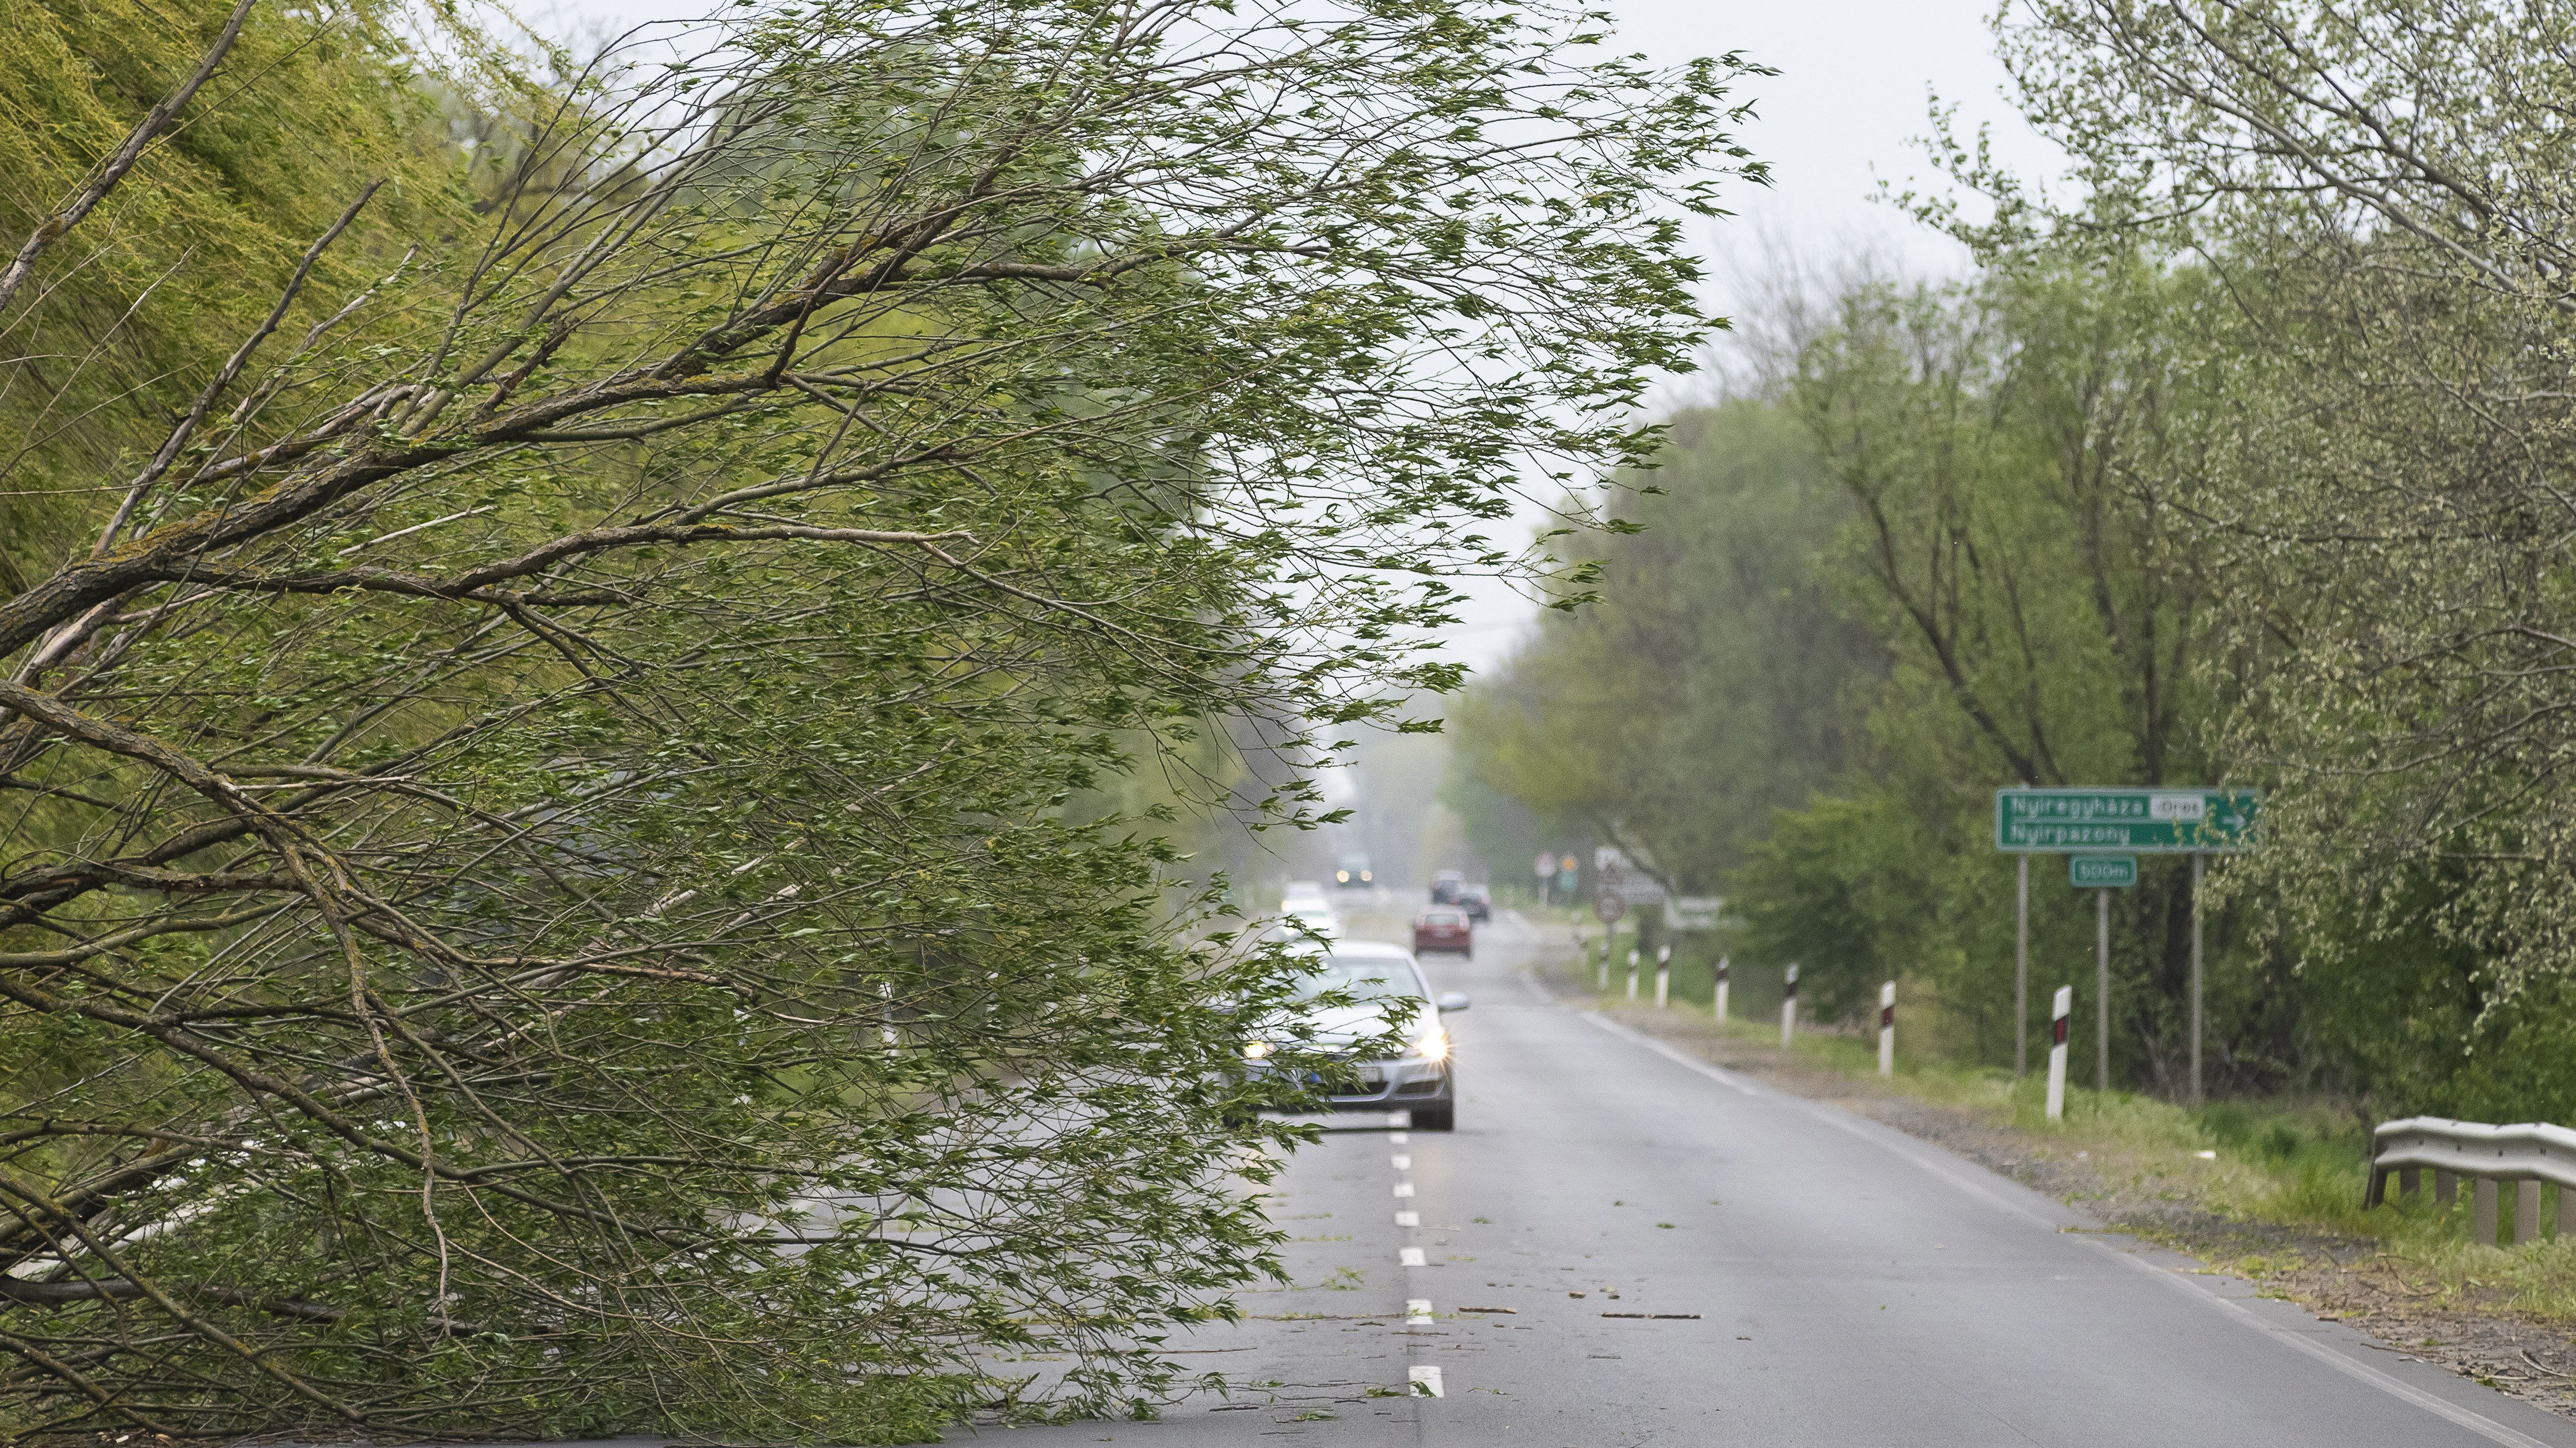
(1829, 888)
(575, 862)
(2238, 464)
(176, 265)
(1716, 666)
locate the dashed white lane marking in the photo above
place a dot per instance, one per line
(1410, 1257)
(1404, 1189)
(1417, 1312)
(1425, 1381)
(1408, 1219)
(1398, 1137)
(1402, 1161)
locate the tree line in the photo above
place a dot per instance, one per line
(2240, 456)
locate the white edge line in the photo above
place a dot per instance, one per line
(2469, 1418)
(1724, 1078)
(2440, 1407)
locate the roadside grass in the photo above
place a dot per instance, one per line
(2287, 1163)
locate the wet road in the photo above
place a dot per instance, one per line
(1622, 1246)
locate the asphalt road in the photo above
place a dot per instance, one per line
(1682, 1255)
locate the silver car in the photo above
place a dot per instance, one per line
(1384, 984)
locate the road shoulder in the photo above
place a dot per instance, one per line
(2338, 1278)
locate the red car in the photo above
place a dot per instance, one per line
(1444, 929)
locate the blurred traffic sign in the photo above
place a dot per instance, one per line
(1692, 912)
(2151, 821)
(2102, 872)
(1546, 866)
(1607, 906)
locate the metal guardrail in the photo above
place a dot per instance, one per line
(2527, 1154)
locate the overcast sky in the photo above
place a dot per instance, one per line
(1856, 80)
(1853, 94)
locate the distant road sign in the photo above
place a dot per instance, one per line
(2102, 872)
(1607, 907)
(1546, 866)
(2147, 821)
(1692, 912)
(1567, 864)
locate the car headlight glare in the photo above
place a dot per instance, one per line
(1255, 1050)
(1432, 1045)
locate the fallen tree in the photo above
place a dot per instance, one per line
(539, 897)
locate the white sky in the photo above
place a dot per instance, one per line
(1855, 90)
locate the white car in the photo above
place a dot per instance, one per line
(1311, 915)
(1385, 984)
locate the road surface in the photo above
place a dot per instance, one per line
(1683, 1255)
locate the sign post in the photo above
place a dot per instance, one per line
(1607, 907)
(2102, 990)
(2021, 973)
(2102, 874)
(2196, 860)
(2192, 821)
(1546, 876)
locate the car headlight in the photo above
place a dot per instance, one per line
(1255, 1050)
(1342, 876)
(1432, 1045)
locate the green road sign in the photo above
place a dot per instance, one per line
(2102, 872)
(2149, 821)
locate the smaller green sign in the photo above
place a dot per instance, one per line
(2102, 872)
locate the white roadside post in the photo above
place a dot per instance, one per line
(1632, 974)
(1663, 974)
(2057, 1052)
(1718, 1007)
(1887, 1029)
(1604, 985)
(1789, 1009)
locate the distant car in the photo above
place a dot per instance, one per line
(1312, 915)
(1353, 873)
(1386, 988)
(1445, 887)
(1477, 901)
(1444, 929)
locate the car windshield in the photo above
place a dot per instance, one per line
(1364, 980)
(1440, 917)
